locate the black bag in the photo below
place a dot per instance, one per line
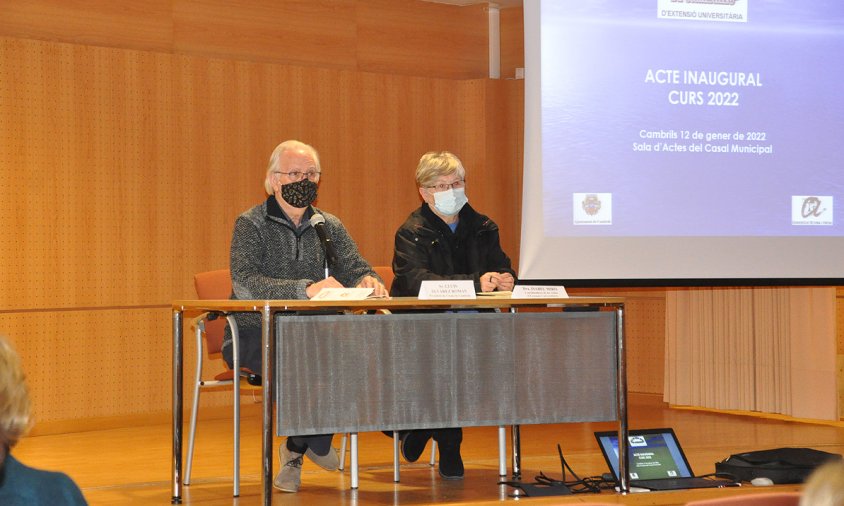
(780, 465)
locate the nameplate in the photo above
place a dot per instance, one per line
(458, 289)
(539, 292)
(333, 294)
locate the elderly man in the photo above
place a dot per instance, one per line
(277, 254)
(445, 239)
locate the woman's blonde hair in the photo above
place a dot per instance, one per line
(291, 145)
(434, 164)
(825, 486)
(14, 396)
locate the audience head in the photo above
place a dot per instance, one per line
(14, 397)
(275, 159)
(825, 486)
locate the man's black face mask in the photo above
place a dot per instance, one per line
(299, 194)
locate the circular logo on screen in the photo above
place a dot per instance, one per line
(592, 204)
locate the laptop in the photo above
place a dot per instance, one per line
(656, 462)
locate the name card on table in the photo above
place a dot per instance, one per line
(539, 292)
(333, 294)
(447, 289)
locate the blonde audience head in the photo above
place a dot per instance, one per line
(21, 484)
(14, 397)
(290, 145)
(825, 486)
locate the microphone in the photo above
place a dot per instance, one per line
(318, 222)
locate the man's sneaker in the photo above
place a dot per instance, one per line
(413, 443)
(330, 461)
(290, 476)
(451, 464)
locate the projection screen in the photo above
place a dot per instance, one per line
(683, 142)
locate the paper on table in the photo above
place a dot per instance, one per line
(503, 294)
(343, 294)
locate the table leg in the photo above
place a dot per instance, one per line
(267, 439)
(502, 451)
(623, 448)
(396, 444)
(517, 453)
(178, 364)
(354, 460)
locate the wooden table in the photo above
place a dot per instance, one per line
(591, 326)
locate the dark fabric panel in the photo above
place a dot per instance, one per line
(362, 373)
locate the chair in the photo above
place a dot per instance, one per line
(385, 272)
(756, 499)
(210, 329)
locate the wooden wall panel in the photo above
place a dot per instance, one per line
(387, 107)
(299, 32)
(408, 37)
(140, 25)
(644, 330)
(104, 368)
(645, 333)
(90, 363)
(512, 41)
(505, 161)
(90, 149)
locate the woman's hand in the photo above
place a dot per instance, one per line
(378, 288)
(501, 281)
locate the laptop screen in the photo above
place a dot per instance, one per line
(654, 454)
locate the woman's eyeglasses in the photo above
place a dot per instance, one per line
(441, 187)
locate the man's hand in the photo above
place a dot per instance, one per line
(328, 282)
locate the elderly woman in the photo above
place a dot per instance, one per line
(21, 485)
(446, 239)
(276, 254)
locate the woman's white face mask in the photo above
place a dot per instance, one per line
(451, 201)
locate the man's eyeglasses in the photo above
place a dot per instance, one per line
(441, 187)
(296, 175)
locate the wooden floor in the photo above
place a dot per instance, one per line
(132, 466)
